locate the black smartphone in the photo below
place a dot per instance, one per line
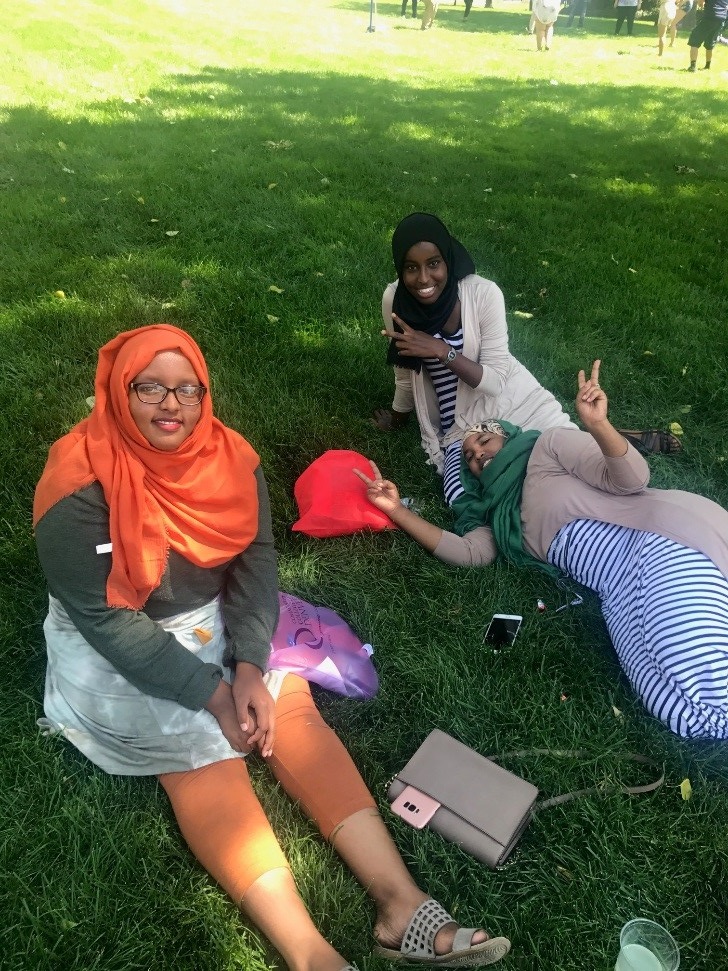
(502, 630)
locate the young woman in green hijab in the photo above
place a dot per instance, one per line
(577, 503)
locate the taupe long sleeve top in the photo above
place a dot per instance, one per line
(151, 659)
(568, 478)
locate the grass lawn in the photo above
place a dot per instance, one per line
(238, 169)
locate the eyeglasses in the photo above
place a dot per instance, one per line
(155, 394)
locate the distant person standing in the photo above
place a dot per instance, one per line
(430, 13)
(665, 19)
(707, 30)
(577, 9)
(404, 9)
(626, 10)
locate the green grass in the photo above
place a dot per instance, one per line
(281, 143)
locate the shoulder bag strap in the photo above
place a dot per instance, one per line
(581, 753)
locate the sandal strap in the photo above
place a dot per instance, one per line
(419, 938)
(463, 938)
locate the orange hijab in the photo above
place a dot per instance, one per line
(200, 499)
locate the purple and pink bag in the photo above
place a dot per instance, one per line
(315, 643)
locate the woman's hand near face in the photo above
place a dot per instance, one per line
(255, 707)
(415, 343)
(222, 706)
(381, 492)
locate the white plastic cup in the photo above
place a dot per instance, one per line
(646, 946)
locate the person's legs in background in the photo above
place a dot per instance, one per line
(621, 14)
(429, 14)
(631, 11)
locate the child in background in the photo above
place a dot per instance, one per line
(545, 14)
(665, 19)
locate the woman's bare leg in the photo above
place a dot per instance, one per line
(274, 905)
(364, 843)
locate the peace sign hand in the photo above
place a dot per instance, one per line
(415, 343)
(591, 401)
(380, 492)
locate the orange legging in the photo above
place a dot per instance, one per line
(220, 816)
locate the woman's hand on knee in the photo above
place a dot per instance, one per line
(255, 707)
(222, 706)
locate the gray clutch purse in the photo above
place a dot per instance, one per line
(484, 808)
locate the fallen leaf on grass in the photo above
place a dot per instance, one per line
(522, 313)
(676, 428)
(684, 371)
(631, 270)
(272, 185)
(62, 146)
(684, 170)
(70, 171)
(686, 790)
(153, 220)
(648, 353)
(617, 712)
(563, 696)
(544, 262)
(168, 305)
(172, 232)
(140, 200)
(91, 401)
(274, 289)
(686, 409)
(272, 319)
(283, 143)
(565, 874)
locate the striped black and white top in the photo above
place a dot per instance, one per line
(446, 386)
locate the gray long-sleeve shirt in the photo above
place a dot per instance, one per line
(149, 657)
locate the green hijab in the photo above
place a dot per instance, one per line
(495, 498)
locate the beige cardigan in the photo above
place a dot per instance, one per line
(569, 478)
(506, 390)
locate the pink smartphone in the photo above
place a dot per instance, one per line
(415, 807)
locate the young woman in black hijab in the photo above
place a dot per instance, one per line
(448, 342)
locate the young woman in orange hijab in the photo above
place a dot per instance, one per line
(153, 529)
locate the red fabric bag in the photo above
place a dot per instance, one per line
(332, 501)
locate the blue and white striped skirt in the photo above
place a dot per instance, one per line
(666, 609)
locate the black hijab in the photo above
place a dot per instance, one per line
(421, 227)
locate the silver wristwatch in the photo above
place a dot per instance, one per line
(449, 357)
